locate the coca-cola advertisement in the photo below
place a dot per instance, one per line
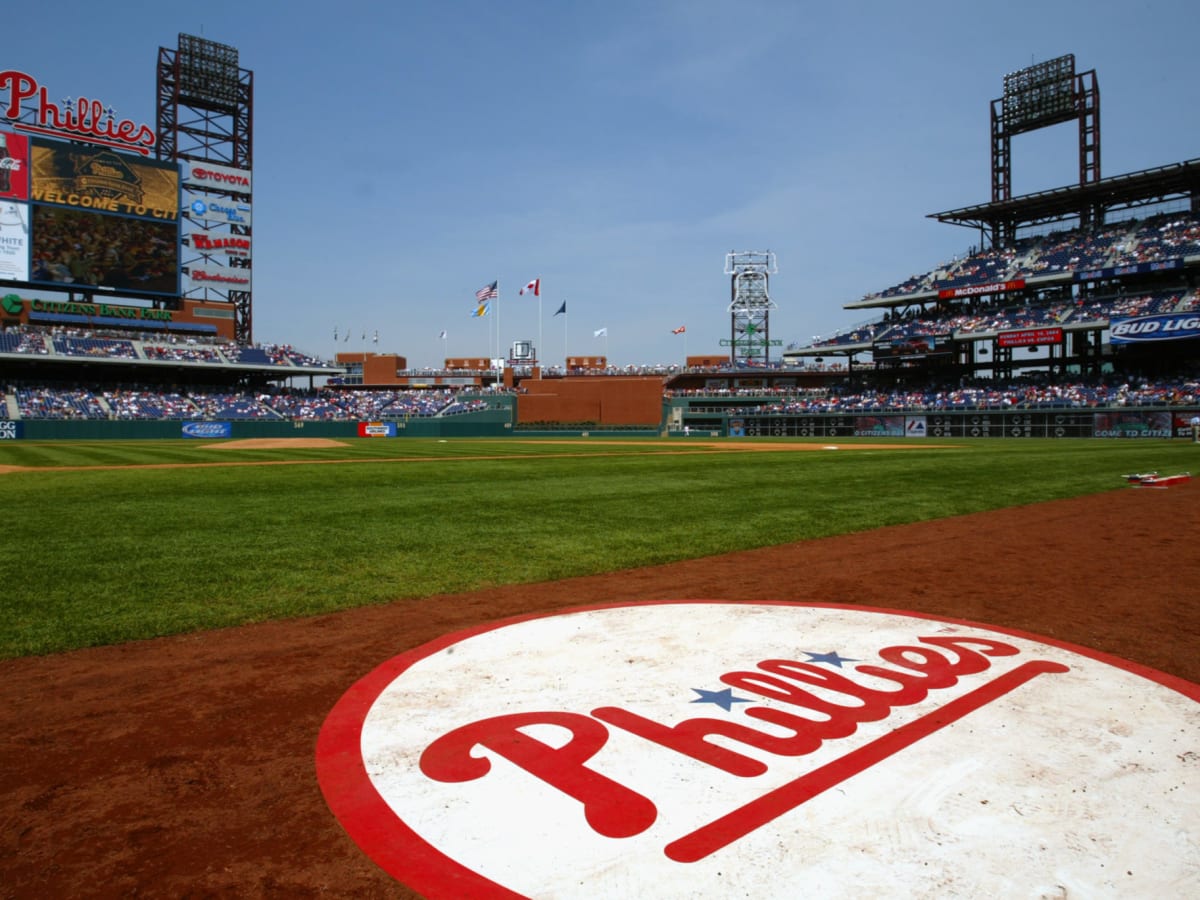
(14, 166)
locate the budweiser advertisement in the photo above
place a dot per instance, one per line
(210, 275)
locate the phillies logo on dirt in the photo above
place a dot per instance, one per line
(760, 750)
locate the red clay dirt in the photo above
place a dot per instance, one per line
(184, 767)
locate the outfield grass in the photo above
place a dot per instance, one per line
(103, 555)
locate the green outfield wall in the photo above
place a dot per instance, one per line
(680, 419)
(740, 417)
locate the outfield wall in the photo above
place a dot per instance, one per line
(491, 423)
(1117, 422)
(1114, 422)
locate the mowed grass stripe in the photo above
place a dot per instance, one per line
(102, 556)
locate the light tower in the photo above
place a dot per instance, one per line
(206, 118)
(750, 306)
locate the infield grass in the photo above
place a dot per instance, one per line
(103, 555)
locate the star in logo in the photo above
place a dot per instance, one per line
(723, 699)
(68, 102)
(833, 658)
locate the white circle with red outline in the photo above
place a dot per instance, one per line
(762, 750)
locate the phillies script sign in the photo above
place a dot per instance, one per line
(75, 119)
(703, 749)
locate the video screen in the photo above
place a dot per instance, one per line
(87, 249)
(104, 180)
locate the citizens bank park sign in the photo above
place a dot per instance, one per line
(766, 750)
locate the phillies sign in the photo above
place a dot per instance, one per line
(73, 119)
(700, 749)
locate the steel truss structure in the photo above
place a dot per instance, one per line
(205, 107)
(750, 306)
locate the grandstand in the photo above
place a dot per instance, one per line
(1086, 279)
(1077, 313)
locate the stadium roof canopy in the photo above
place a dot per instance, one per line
(1142, 188)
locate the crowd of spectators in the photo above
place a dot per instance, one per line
(134, 345)
(148, 402)
(1026, 393)
(326, 404)
(989, 318)
(1167, 236)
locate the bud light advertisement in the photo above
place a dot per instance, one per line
(210, 430)
(1170, 327)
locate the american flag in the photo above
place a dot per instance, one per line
(488, 292)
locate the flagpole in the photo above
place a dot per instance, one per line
(540, 349)
(565, 314)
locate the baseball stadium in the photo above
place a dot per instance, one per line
(906, 610)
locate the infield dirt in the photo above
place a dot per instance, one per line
(184, 767)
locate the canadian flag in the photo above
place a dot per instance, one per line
(534, 287)
(680, 330)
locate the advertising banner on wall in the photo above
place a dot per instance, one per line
(215, 209)
(89, 249)
(879, 426)
(214, 177)
(1132, 424)
(103, 180)
(376, 429)
(14, 166)
(14, 241)
(1161, 265)
(974, 290)
(207, 430)
(210, 275)
(1144, 329)
(912, 347)
(218, 243)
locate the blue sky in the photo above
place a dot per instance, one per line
(407, 154)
